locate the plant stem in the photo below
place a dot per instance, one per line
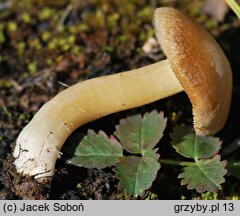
(234, 6)
(233, 164)
(178, 163)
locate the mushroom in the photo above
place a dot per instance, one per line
(195, 63)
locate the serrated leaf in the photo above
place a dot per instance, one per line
(206, 175)
(194, 146)
(136, 174)
(140, 134)
(97, 151)
(179, 132)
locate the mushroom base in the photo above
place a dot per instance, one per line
(24, 186)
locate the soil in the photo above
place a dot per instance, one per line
(42, 51)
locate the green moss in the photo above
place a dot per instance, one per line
(144, 36)
(139, 51)
(45, 14)
(108, 49)
(236, 197)
(2, 37)
(151, 196)
(59, 58)
(122, 38)
(7, 84)
(225, 27)
(145, 12)
(21, 46)
(32, 67)
(211, 23)
(71, 39)
(12, 26)
(2, 26)
(76, 50)
(209, 196)
(61, 41)
(49, 61)
(52, 44)
(112, 20)
(25, 75)
(100, 18)
(182, 197)
(72, 29)
(34, 42)
(79, 185)
(46, 35)
(22, 116)
(174, 117)
(66, 47)
(26, 18)
(83, 27)
(38, 47)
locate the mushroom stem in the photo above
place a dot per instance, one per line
(39, 143)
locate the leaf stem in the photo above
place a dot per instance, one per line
(178, 163)
(234, 6)
(233, 164)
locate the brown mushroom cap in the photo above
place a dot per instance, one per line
(200, 65)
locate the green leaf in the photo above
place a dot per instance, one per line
(194, 146)
(234, 6)
(97, 151)
(140, 134)
(179, 132)
(206, 175)
(136, 174)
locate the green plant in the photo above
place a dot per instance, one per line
(139, 135)
(234, 6)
